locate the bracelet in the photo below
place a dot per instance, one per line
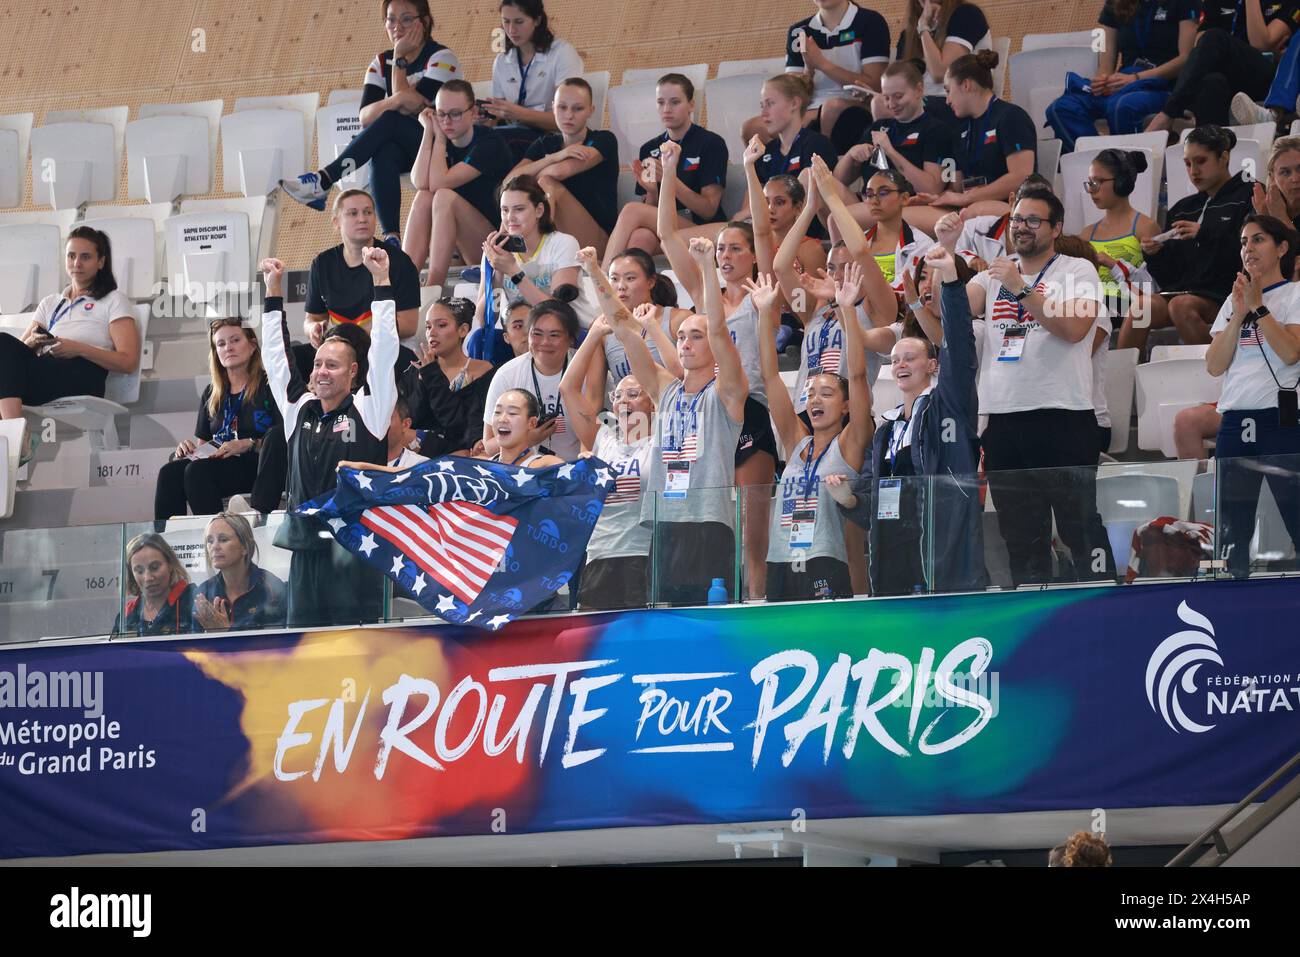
(916, 306)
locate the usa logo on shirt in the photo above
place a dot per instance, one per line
(690, 163)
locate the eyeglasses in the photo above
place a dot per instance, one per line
(452, 115)
(1033, 222)
(1092, 185)
(630, 394)
(884, 193)
(405, 21)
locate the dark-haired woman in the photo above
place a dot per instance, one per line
(236, 411)
(1237, 51)
(1256, 348)
(525, 74)
(701, 172)
(76, 338)
(1117, 237)
(399, 84)
(515, 418)
(652, 299)
(446, 389)
(1146, 43)
(935, 35)
(995, 145)
(160, 598)
(1196, 267)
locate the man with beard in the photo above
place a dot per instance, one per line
(1039, 310)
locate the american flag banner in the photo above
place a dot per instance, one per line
(475, 542)
(1007, 309)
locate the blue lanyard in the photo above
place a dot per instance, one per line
(677, 415)
(810, 467)
(1020, 306)
(1282, 282)
(64, 308)
(537, 386)
(523, 72)
(230, 408)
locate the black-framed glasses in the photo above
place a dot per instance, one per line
(1092, 185)
(452, 115)
(1033, 222)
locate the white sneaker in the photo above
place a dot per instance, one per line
(306, 189)
(1246, 111)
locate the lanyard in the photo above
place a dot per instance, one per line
(897, 439)
(537, 386)
(64, 308)
(824, 335)
(810, 467)
(523, 72)
(230, 408)
(677, 415)
(1020, 306)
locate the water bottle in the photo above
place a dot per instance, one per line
(717, 592)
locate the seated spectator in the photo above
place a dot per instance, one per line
(936, 34)
(917, 440)
(402, 439)
(76, 338)
(340, 289)
(1085, 849)
(1237, 51)
(456, 176)
(516, 419)
(701, 172)
(1280, 196)
(1152, 40)
(1256, 348)
(577, 167)
(526, 73)
(219, 462)
(509, 336)
(841, 45)
(788, 147)
(1117, 237)
(1192, 428)
(806, 556)
(910, 138)
(652, 298)
(161, 598)
(400, 84)
(240, 595)
(1196, 267)
(617, 573)
(552, 334)
(995, 145)
(447, 390)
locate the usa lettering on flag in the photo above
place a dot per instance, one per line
(474, 542)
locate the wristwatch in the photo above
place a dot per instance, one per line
(518, 277)
(1023, 294)
(1257, 314)
(401, 63)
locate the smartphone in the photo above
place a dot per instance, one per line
(484, 107)
(1288, 409)
(513, 244)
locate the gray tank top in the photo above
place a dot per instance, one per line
(828, 533)
(695, 428)
(743, 326)
(616, 355)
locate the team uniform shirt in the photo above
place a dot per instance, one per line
(983, 237)
(616, 354)
(317, 441)
(487, 152)
(264, 605)
(408, 459)
(1230, 16)
(698, 431)
(1050, 372)
(911, 248)
(596, 189)
(1152, 33)
(807, 143)
(823, 348)
(743, 326)
(861, 37)
(533, 86)
(985, 142)
(967, 26)
(433, 66)
(176, 617)
(238, 415)
(1248, 384)
(82, 318)
(619, 532)
(919, 141)
(802, 488)
(556, 251)
(344, 293)
(520, 373)
(703, 162)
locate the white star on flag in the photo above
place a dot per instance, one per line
(522, 478)
(363, 481)
(310, 511)
(335, 524)
(483, 471)
(420, 583)
(446, 603)
(446, 466)
(566, 471)
(498, 621)
(603, 476)
(368, 545)
(397, 565)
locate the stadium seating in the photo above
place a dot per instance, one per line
(733, 98)
(168, 157)
(1046, 68)
(1075, 38)
(1126, 500)
(31, 265)
(697, 73)
(1080, 211)
(73, 163)
(258, 149)
(599, 82)
(209, 110)
(1121, 377)
(763, 66)
(1247, 154)
(632, 118)
(135, 253)
(1164, 389)
(336, 125)
(15, 142)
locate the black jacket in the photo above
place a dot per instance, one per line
(1208, 264)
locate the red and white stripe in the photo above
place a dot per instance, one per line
(627, 488)
(787, 518)
(458, 544)
(687, 453)
(829, 361)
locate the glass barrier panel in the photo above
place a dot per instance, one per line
(695, 547)
(59, 582)
(1257, 506)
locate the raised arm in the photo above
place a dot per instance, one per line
(733, 386)
(281, 372)
(646, 315)
(376, 403)
(756, 201)
(784, 261)
(580, 412)
(666, 225)
(959, 364)
(882, 304)
(861, 426)
(766, 298)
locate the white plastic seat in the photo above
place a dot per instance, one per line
(258, 149)
(114, 116)
(1002, 46)
(1270, 541)
(72, 164)
(304, 104)
(1121, 374)
(1128, 499)
(135, 253)
(1198, 351)
(598, 80)
(167, 157)
(1047, 67)
(352, 96)
(30, 265)
(697, 73)
(336, 126)
(1165, 388)
(626, 188)
(1040, 98)
(732, 100)
(11, 447)
(14, 150)
(885, 395)
(736, 190)
(1261, 133)
(208, 255)
(1080, 211)
(1075, 38)
(209, 110)
(1247, 154)
(1048, 159)
(766, 67)
(633, 118)
(482, 90)
(1153, 143)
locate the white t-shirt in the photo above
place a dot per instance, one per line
(408, 459)
(556, 251)
(545, 72)
(1050, 373)
(1248, 384)
(83, 319)
(518, 374)
(619, 532)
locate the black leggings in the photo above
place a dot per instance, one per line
(202, 484)
(40, 379)
(1219, 66)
